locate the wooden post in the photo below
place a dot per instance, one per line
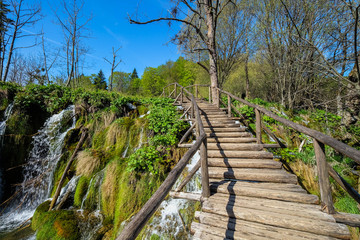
(218, 101)
(196, 91)
(192, 110)
(323, 174)
(229, 106)
(204, 170)
(175, 89)
(209, 94)
(258, 126)
(182, 95)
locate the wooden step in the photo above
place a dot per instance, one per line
(253, 174)
(280, 220)
(230, 129)
(235, 146)
(232, 140)
(254, 229)
(243, 163)
(229, 134)
(290, 187)
(210, 122)
(212, 113)
(276, 194)
(231, 125)
(239, 154)
(275, 206)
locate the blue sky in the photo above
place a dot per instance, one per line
(142, 45)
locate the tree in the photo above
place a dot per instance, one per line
(121, 81)
(200, 12)
(73, 27)
(134, 74)
(23, 16)
(114, 65)
(152, 82)
(99, 81)
(5, 21)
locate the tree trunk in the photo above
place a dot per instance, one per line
(212, 51)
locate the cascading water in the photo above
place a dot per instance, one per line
(168, 222)
(39, 169)
(7, 114)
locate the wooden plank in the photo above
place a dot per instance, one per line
(277, 207)
(347, 218)
(224, 233)
(230, 188)
(280, 220)
(232, 140)
(240, 154)
(227, 125)
(229, 134)
(235, 146)
(244, 163)
(255, 228)
(231, 129)
(297, 206)
(264, 185)
(253, 174)
(187, 196)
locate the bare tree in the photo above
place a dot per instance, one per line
(114, 63)
(23, 15)
(199, 13)
(74, 26)
(48, 63)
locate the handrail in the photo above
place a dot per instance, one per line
(319, 140)
(134, 227)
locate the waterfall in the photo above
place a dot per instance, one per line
(38, 172)
(168, 221)
(7, 114)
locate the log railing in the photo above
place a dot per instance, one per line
(134, 227)
(319, 141)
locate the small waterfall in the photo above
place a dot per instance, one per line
(168, 221)
(7, 114)
(38, 172)
(92, 221)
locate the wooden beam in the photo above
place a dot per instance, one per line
(258, 126)
(204, 170)
(187, 133)
(188, 177)
(352, 220)
(187, 196)
(229, 106)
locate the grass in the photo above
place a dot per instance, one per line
(86, 163)
(346, 204)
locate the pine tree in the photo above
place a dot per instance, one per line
(134, 74)
(99, 81)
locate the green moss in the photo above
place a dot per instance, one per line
(80, 191)
(18, 124)
(142, 109)
(56, 225)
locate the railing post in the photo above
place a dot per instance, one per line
(209, 94)
(196, 91)
(218, 98)
(175, 89)
(229, 106)
(323, 174)
(182, 95)
(258, 126)
(204, 169)
(192, 110)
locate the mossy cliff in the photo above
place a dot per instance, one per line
(129, 150)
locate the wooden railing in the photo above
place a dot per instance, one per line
(134, 227)
(324, 170)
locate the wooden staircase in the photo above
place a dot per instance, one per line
(252, 196)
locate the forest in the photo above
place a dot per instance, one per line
(105, 138)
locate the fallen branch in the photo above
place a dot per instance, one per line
(62, 180)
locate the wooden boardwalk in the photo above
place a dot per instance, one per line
(252, 196)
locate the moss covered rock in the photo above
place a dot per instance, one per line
(56, 224)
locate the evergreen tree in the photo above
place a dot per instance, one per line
(134, 74)
(99, 81)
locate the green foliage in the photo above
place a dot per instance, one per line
(152, 82)
(119, 105)
(166, 126)
(145, 159)
(346, 204)
(326, 118)
(121, 81)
